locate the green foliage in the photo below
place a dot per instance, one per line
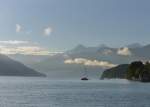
(138, 71)
(147, 66)
(134, 69)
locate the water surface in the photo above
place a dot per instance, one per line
(44, 92)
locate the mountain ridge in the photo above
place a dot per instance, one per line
(53, 63)
(9, 67)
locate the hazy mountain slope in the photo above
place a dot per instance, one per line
(102, 53)
(55, 64)
(9, 67)
(29, 59)
(134, 45)
(142, 51)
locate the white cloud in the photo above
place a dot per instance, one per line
(87, 62)
(13, 42)
(47, 31)
(18, 28)
(25, 50)
(31, 50)
(124, 51)
(24, 47)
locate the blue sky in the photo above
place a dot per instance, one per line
(62, 24)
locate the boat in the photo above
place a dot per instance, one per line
(85, 77)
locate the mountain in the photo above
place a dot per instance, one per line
(79, 48)
(82, 49)
(103, 53)
(115, 72)
(28, 59)
(142, 51)
(9, 67)
(54, 65)
(134, 45)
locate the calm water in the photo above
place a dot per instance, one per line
(43, 92)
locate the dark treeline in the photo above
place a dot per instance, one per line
(137, 71)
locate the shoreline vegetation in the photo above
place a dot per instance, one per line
(136, 71)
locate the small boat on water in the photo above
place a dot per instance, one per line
(85, 77)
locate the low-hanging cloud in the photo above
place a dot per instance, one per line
(24, 47)
(13, 42)
(25, 50)
(124, 51)
(87, 62)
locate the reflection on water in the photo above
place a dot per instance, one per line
(43, 92)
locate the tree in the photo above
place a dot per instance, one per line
(134, 70)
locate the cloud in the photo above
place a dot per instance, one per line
(31, 50)
(18, 28)
(124, 51)
(25, 50)
(24, 47)
(87, 62)
(13, 42)
(47, 31)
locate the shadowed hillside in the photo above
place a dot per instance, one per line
(116, 72)
(9, 67)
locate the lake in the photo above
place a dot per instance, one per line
(44, 92)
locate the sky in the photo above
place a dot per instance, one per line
(45, 26)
